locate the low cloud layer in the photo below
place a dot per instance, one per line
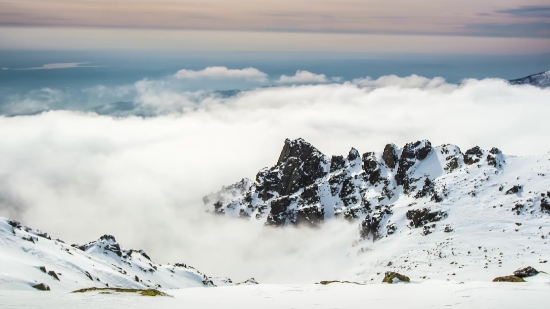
(250, 74)
(78, 175)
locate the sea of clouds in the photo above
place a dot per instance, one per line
(78, 175)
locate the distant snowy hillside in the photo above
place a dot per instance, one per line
(435, 212)
(29, 257)
(540, 80)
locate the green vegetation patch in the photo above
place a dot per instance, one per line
(390, 275)
(336, 281)
(509, 279)
(148, 292)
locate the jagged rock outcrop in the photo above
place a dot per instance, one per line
(307, 187)
(100, 263)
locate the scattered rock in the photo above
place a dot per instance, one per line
(514, 190)
(42, 287)
(526, 272)
(473, 155)
(43, 269)
(54, 275)
(509, 279)
(393, 277)
(423, 216)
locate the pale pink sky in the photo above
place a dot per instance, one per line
(511, 19)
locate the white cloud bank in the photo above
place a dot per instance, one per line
(249, 74)
(79, 176)
(302, 77)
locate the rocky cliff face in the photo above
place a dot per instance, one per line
(307, 187)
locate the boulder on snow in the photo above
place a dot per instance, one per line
(41, 287)
(43, 269)
(393, 277)
(514, 190)
(526, 272)
(54, 275)
(509, 279)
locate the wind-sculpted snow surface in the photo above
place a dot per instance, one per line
(29, 257)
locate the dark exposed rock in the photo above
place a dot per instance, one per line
(473, 155)
(423, 216)
(392, 277)
(508, 279)
(390, 156)
(89, 276)
(372, 224)
(411, 154)
(494, 157)
(353, 155)
(428, 189)
(514, 190)
(54, 275)
(371, 168)
(526, 272)
(43, 269)
(518, 208)
(448, 229)
(14, 224)
(279, 215)
(42, 287)
(428, 229)
(310, 215)
(337, 163)
(545, 205)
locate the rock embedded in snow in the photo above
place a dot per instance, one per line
(526, 272)
(393, 277)
(41, 287)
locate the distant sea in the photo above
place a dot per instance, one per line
(118, 68)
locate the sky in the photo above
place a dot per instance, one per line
(436, 26)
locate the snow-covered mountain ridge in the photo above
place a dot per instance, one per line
(429, 211)
(29, 257)
(540, 80)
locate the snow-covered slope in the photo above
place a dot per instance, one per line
(540, 80)
(431, 212)
(29, 257)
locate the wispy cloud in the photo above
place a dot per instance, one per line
(249, 74)
(527, 11)
(524, 29)
(302, 77)
(54, 66)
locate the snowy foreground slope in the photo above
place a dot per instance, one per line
(428, 212)
(341, 296)
(29, 257)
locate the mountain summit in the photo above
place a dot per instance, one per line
(540, 80)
